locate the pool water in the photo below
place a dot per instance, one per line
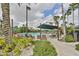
(30, 33)
(34, 34)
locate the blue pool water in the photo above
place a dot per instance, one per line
(30, 33)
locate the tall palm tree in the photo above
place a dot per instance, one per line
(63, 18)
(68, 13)
(73, 7)
(56, 18)
(6, 22)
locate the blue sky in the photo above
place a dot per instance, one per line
(51, 11)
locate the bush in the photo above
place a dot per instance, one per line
(2, 43)
(77, 46)
(7, 49)
(16, 51)
(10, 48)
(43, 48)
(30, 40)
(69, 29)
(69, 38)
(21, 42)
(18, 42)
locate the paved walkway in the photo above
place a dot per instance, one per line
(63, 48)
(27, 51)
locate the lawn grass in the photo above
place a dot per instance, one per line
(77, 47)
(44, 48)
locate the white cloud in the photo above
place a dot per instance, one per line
(19, 13)
(39, 14)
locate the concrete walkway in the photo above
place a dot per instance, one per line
(63, 48)
(27, 51)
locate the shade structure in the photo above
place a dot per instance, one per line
(46, 26)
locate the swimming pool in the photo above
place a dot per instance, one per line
(30, 33)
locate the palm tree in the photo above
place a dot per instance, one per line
(63, 18)
(56, 18)
(6, 22)
(73, 7)
(68, 13)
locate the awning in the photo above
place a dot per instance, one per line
(46, 26)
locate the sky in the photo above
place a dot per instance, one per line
(39, 13)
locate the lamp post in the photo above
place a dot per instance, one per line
(78, 11)
(27, 8)
(40, 31)
(12, 27)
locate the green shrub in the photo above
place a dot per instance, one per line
(69, 38)
(16, 51)
(2, 43)
(22, 42)
(30, 40)
(69, 29)
(77, 46)
(7, 49)
(43, 48)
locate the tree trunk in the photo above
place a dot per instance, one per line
(6, 22)
(58, 30)
(73, 24)
(1, 30)
(67, 17)
(64, 25)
